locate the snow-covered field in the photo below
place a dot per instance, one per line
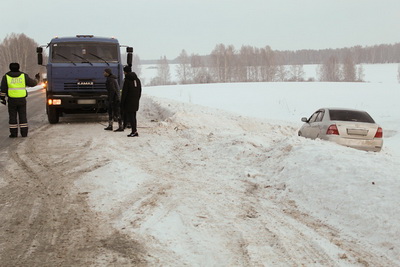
(219, 177)
(354, 191)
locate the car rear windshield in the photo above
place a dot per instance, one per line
(350, 115)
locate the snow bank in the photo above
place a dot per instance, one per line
(220, 167)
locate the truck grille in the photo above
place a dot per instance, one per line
(83, 86)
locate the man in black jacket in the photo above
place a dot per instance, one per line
(13, 85)
(131, 93)
(113, 101)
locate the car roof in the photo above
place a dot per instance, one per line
(349, 109)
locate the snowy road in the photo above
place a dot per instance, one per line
(199, 187)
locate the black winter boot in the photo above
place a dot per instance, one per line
(109, 127)
(135, 134)
(120, 127)
(24, 131)
(13, 132)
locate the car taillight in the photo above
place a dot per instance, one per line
(332, 130)
(379, 133)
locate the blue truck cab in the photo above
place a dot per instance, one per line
(75, 67)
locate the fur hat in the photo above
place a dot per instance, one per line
(108, 71)
(14, 67)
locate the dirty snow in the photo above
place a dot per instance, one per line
(219, 177)
(226, 160)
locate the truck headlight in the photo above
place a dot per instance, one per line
(53, 102)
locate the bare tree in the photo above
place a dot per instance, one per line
(198, 72)
(255, 65)
(267, 64)
(218, 63)
(330, 70)
(22, 49)
(281, 73)
(243, 60)
(224, 63)
(248, 72)
(230, 64)
(349, 69)
(183, 69)
(360, 73)
(296, 73)
(163, 73)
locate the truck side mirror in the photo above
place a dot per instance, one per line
(129, 51)
(39, 51)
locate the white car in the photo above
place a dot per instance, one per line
(348, 127)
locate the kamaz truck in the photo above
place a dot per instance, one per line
(75, 67)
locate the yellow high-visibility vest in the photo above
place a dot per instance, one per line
(16, 86)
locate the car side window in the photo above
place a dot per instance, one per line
(313, 117)
(320, 116)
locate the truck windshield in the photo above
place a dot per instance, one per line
(84, 52)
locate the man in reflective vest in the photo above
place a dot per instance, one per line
(13, 85)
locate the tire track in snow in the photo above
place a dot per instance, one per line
(210, 195)
(189, 160)
(290, 239)
(48, 222)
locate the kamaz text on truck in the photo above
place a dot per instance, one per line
(75, 67)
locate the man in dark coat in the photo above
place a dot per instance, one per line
(113, 101)
(13, 85)
(131, 93)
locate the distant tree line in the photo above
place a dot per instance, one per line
(21, 49)
(227, 64)
(384, 53)
(252, 64)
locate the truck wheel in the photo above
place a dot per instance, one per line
(52, 115)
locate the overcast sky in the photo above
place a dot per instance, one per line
(158, 28)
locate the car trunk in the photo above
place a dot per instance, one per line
(357, 130)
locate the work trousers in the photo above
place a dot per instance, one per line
(130, 117)
(17, 116)
(114, 113)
